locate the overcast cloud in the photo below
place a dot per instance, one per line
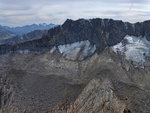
(23, 12)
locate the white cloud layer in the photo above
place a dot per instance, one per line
(22, 12)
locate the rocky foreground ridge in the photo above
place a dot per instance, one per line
(83, 66)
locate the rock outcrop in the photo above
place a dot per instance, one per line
(98, 97)
(104, 96)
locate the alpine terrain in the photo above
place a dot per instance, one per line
(82, 66)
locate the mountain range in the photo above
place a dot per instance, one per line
(83, 66)
(28, 28)
(12, 35)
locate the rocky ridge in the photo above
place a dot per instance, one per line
(101, 33)
(82, 66)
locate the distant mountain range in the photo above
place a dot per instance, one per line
(26, 29)
(36, 34)
(12, 35)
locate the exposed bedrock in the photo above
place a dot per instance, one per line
(100, 32)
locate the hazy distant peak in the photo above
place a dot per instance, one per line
(28, 28)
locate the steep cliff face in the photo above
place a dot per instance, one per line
(99, 32)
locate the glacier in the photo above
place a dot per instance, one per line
(77, 50)
(136, 49)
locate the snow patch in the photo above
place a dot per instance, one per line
(77, 50)
(53, 49)
(88, 50)
(68, 47)
(23, 51)
(135, 48)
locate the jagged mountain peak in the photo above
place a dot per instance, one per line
(98, 33)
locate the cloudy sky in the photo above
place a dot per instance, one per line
(23, 12)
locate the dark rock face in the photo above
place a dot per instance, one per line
(146, 27)
(100, 32)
